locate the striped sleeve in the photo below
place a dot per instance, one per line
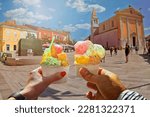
(131, 95)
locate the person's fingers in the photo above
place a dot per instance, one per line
(40, 71)
(98, 96)
(100, 71)
(92, 86)
(90, 95)
(35, 74)
(35, 70)
(106, 72)
(88, 76)
(55, 77)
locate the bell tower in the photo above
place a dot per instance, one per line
(94, 22)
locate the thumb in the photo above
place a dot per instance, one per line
(55, 77)
(88, 76)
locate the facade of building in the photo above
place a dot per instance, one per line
(42, 33)
(126, 26)
(47, 34)
(11, 33)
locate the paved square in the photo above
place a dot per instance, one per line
(134, 74)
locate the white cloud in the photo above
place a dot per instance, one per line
(118, 8)
(22, 15)
(83, 26)
(28, 2)
(81, 6)
(70, 28)
(147, 28)
(73, 28)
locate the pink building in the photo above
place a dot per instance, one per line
(126, 26)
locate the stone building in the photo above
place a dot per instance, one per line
(126, 26)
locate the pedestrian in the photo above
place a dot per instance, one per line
(127, 51)
(144, 51)
(136, 49)
(111, 50)
(115, 51)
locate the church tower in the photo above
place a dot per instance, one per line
(94, 22)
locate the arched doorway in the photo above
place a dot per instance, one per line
(133, 40)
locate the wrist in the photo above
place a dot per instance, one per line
(28, 94)
(17, 96)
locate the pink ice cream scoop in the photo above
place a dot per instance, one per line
(81, 47)
(58, 48)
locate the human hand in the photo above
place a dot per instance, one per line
(106, 84)
(36, 83)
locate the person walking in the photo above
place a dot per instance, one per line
(136, 49)
(115, 51)
(111, 51)
(127, 51)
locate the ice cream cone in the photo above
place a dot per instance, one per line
(49, 70)
(93, 68)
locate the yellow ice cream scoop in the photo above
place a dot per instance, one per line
(63, 58)
(81, 59)
(64, 63)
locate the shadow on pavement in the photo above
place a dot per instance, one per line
(50, 92)
(119, 62)
(146, 57)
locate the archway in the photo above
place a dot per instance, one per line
(133, 40)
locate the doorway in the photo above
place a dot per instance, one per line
(134, 41)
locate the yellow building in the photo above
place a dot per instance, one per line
(10, 34)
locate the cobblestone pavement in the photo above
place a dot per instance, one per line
(134, 74)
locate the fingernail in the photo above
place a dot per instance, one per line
(63, 73)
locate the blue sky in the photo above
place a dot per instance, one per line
(69, 15)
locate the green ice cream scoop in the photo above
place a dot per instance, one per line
(100, 50)
(52, 62)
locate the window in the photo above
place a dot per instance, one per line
(112, 23)
(57, 37)
(7, 47)
(40, 35)
(15, 47)
(15, 34)
(7, 32)
(22, 35)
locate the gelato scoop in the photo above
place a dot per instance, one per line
(54, 60)
(88, 55)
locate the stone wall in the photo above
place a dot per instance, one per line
(34, 44)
